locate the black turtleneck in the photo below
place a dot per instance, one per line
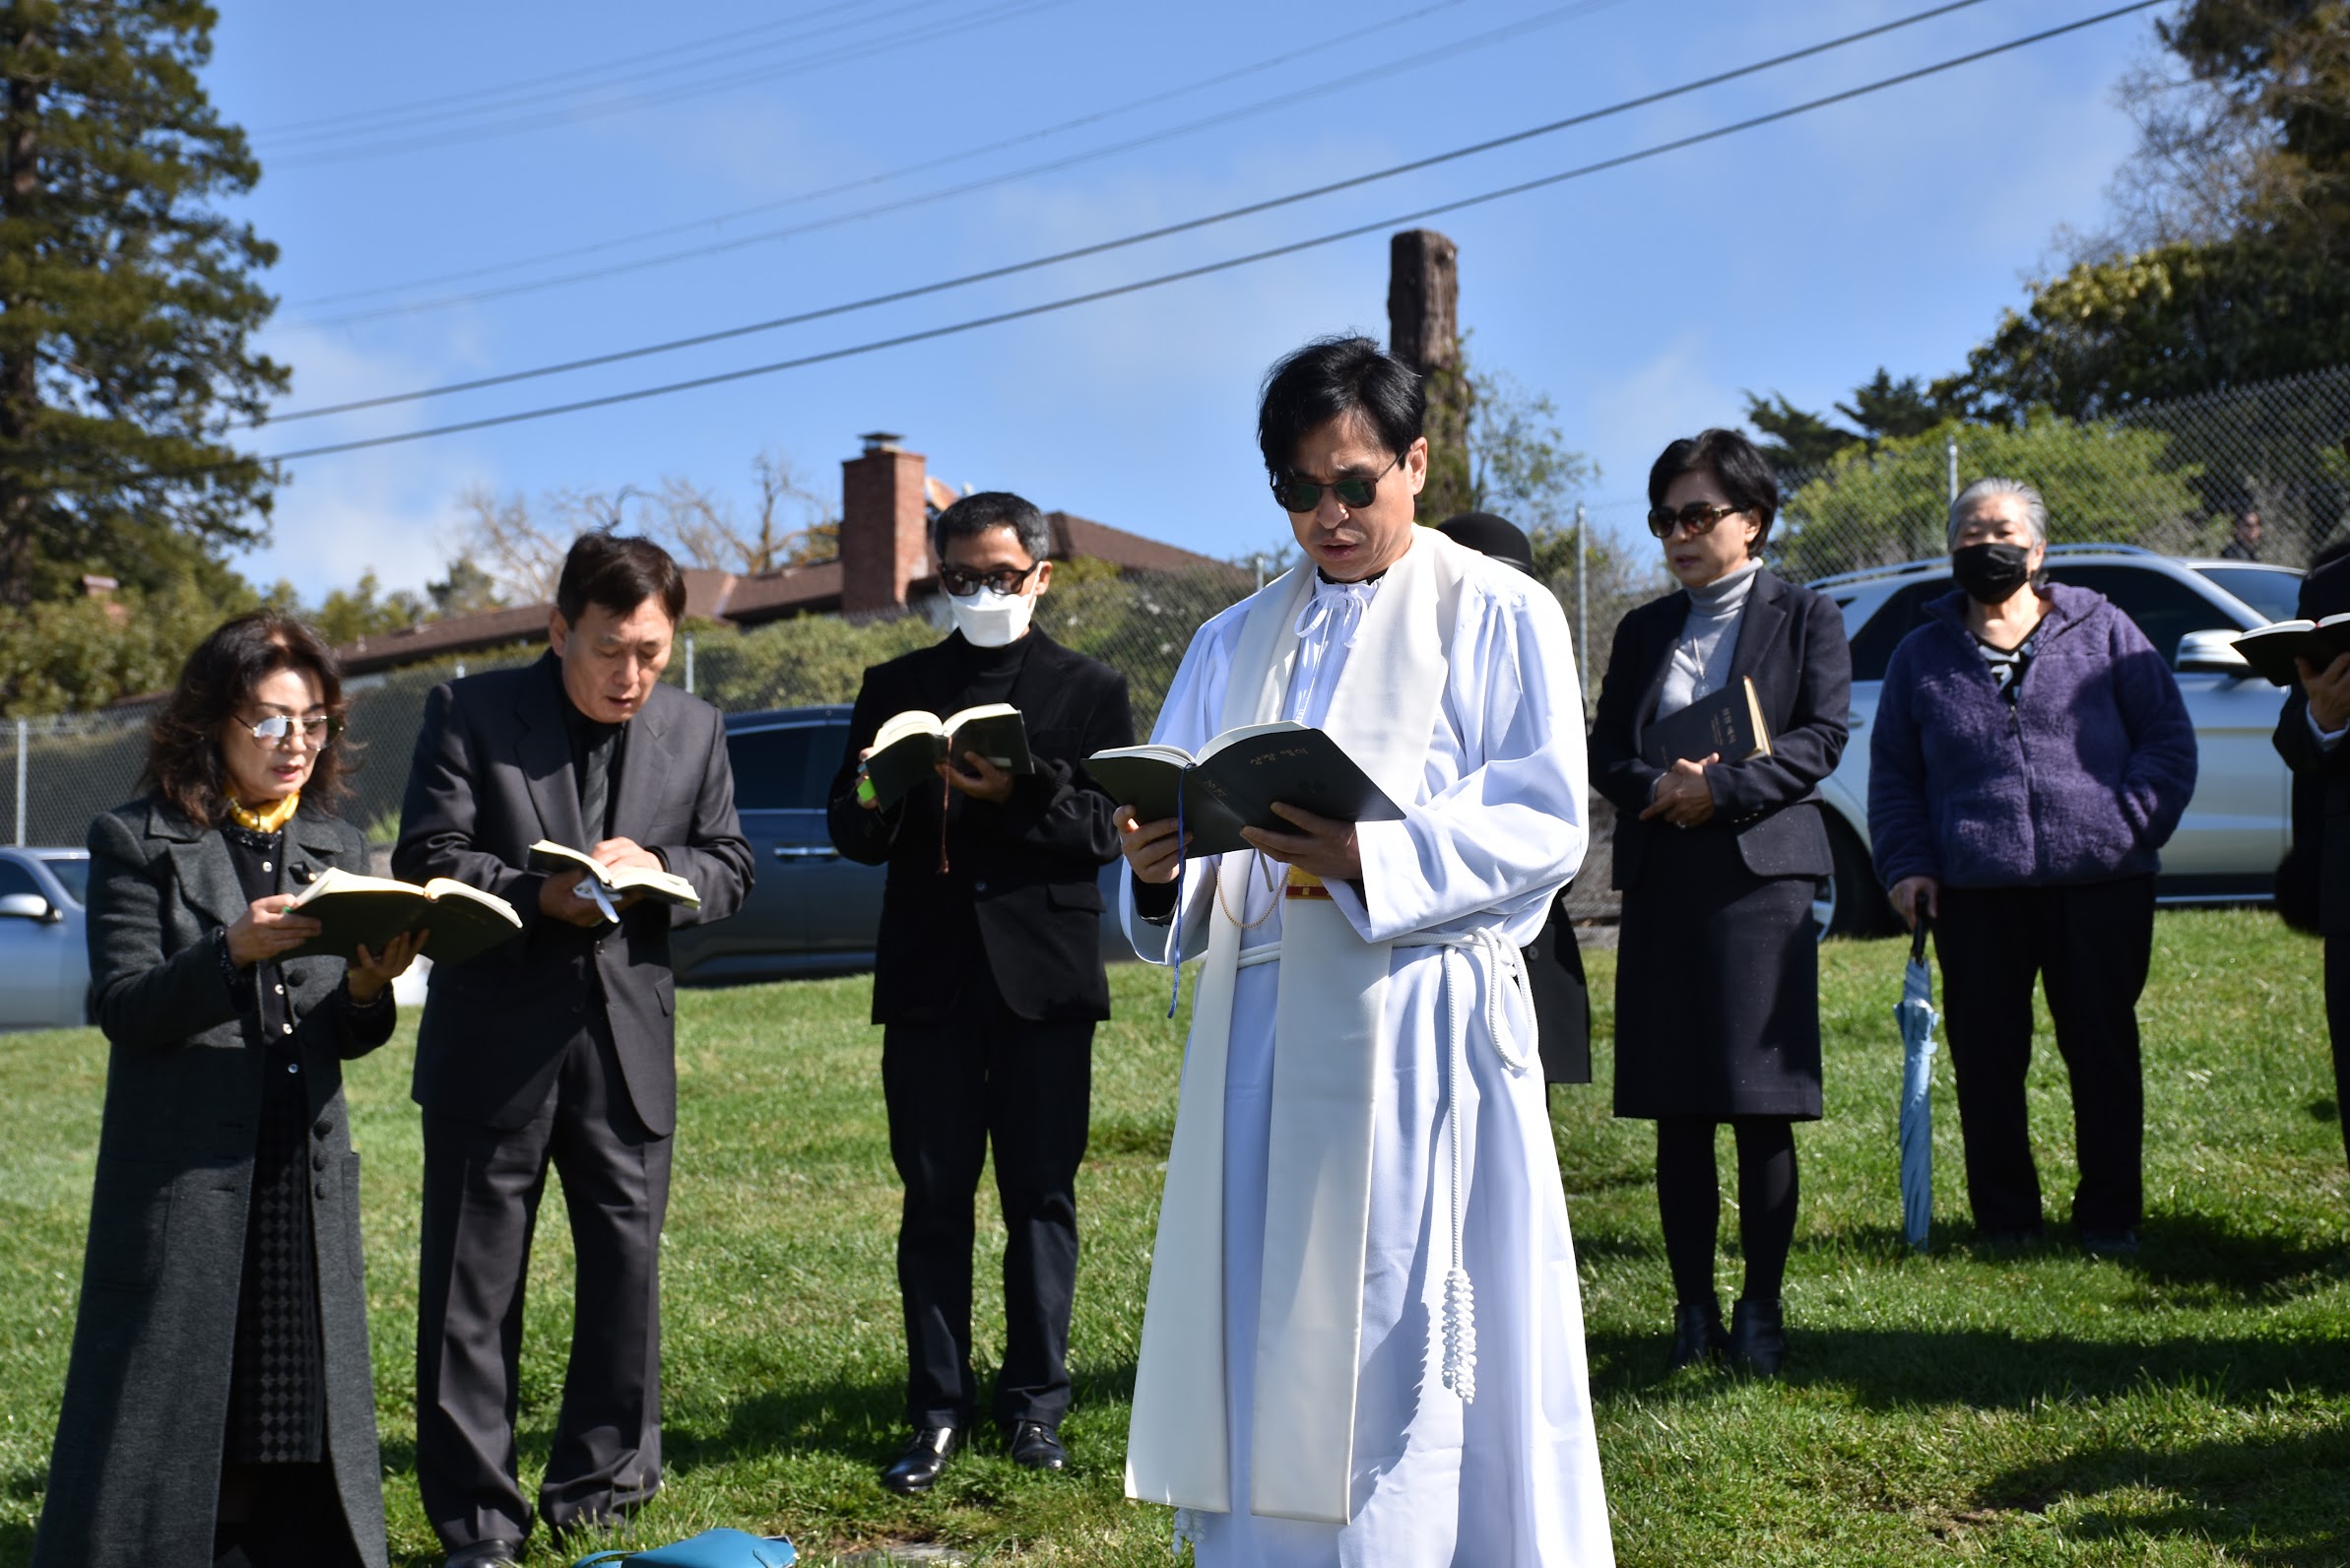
(970, 676)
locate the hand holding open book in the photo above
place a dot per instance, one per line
(908, 747)
(602, 885)
(355, 911)
(1236, 780)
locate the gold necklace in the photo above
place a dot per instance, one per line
(275, 816)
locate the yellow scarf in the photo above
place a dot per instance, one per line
(275, 816)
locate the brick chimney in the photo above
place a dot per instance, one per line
(884, 531)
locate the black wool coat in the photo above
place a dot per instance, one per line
(1790, 642)
(1026, 868)
(492, 776)
(134, 1478)
(1717, 982)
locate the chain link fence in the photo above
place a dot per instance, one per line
(2179, 479)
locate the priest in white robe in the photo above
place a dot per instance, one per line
(1363, 1345)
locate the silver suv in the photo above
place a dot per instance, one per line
(2237, 826)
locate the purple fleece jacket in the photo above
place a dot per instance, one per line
(2082, 780)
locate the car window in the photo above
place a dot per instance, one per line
(1895, 618)
(74, 871)
(2164, 608)
(15, 878)
(778, 769)
(2276, 595)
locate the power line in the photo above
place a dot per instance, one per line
(897, 296)
(634, 61)
(963, 155)
(1424, 57)
(640, 394)
(844, 53)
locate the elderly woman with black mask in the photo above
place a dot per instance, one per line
(2032, 755)
(1717, 994)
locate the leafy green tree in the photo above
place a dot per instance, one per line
(1885, 409)
(2232, 262)
(1878, 508)
(72, 655)
(128, 303)
(1794, 438)
(347, 615)
(1521, 466)
(467, 590)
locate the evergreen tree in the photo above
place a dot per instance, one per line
(128, 303)
(1794, 438)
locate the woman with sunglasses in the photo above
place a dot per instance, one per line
(1717, 993)
(219, 1404)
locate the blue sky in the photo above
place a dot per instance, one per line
(1796, 257)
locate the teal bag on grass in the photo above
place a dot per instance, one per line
(712, 1548)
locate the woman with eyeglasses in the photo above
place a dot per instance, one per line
(1717, 993)
(219, 1404)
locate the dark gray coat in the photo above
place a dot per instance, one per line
(134, 1478)
(492, 776)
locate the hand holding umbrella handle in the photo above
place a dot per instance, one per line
(1918, 936)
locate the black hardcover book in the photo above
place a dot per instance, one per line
(353, 910)
(1235, 780)
(2272, 649)
(909, 747)
(1727, 724)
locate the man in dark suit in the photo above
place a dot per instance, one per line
(2310, 738)
(988, 979)
(557, 1048)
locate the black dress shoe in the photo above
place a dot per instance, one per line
(2109, 1243)
(1697, 1333)
(486, 1554)
(1036, 1445)
(1757, 1337)
(917, 1470)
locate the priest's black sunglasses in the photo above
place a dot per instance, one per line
(1302, 495)
(1698, 517)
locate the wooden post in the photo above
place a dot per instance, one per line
(1423, 294)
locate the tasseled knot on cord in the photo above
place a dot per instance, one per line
(1460, 1336)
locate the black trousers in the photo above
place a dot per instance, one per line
(2337, 1028)
(482, 1190)
(2090, 945)
(953, 1088)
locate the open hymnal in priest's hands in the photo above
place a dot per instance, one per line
(908, 749)
(1235, 780)
(355, 911)
(602, 882)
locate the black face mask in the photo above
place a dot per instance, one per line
(1992, 573)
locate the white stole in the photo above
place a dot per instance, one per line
(1331, 1054)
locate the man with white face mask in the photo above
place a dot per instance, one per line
(988, 979)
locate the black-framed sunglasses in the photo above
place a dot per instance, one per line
(1698, 517)
(318, 730)
(962, 580)
(1305, 495)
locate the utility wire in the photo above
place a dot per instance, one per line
(630, 66)
(699, 252)
(1101, 247)
(629, 102)
(718, 220)
(1093, 296)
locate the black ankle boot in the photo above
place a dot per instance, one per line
(1757, 1337)
(1697, 1333)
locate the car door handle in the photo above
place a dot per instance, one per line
(805, 852)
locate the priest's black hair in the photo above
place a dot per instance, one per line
(1333, 377)
(1744, 473)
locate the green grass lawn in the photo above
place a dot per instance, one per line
(2188, 1406)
